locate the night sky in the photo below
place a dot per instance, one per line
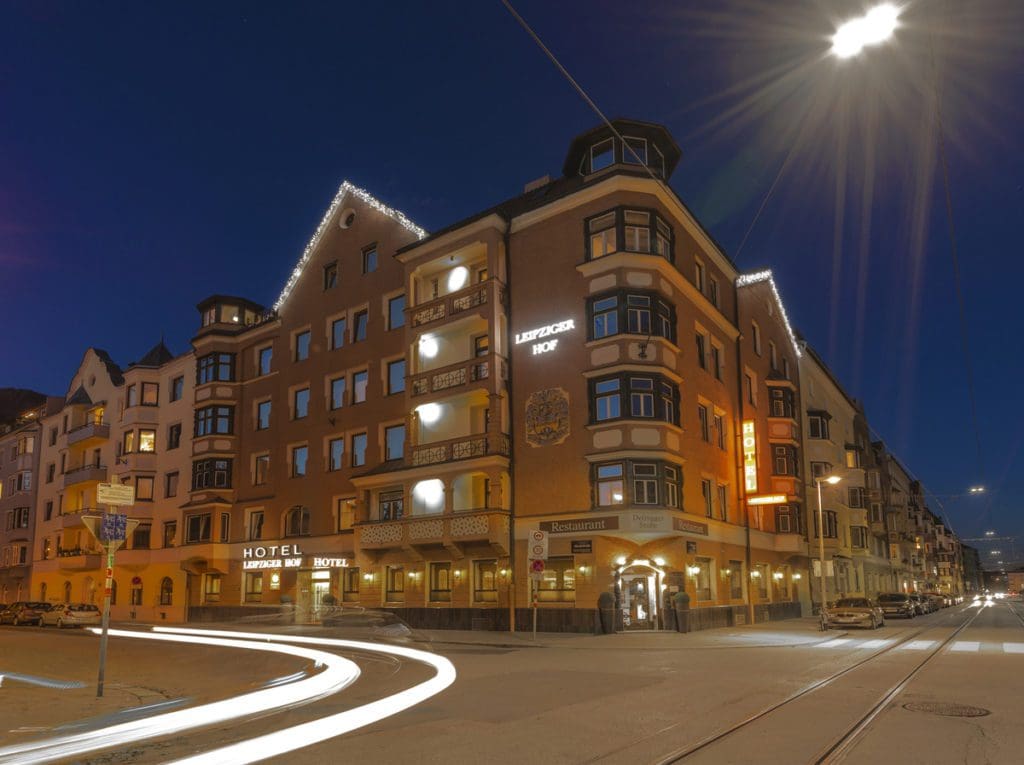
(154, 154)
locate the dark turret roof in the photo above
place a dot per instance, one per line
(79, 397)
(157, 356)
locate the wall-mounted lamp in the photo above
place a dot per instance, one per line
(368, 577)
(504, 572)
(797, 577)
(726, 572)
(620, 561)
(659, 561)
(457, 574)
(778, 575)
(693, 570)
(755, 574)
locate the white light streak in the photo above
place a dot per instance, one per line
(343, 192)
(745, 280)
(873, 28)
(338, 673)
(299, 736)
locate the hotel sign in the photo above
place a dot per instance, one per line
(285, 556)
(749, 456)
(546, 331)
(767, 499)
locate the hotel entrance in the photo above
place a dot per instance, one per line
(313, 587)
(638, 598)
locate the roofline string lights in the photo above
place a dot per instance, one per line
(757, 277)
(344, 190)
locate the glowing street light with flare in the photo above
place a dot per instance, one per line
(875, 27)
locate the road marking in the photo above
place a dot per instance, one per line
(918, 645)
(875, 643)
(1013, 647)
(966, 646)
(835, 643)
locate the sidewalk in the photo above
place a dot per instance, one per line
(787, 633)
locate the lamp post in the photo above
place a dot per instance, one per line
(832, 480)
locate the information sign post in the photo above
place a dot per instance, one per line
(538, 553)
(110, 529)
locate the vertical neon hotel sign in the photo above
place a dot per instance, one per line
(749, 456)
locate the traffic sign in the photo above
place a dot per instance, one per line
(114, 527)
(118, 494)
(538, 545)
(536, 570)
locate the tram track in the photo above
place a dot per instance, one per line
(684, 753)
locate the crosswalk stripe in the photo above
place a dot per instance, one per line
(835, 643)
(966, 646)
(1013, 647)
(875, 643)
(918, 645)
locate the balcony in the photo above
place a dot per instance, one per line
(77, 559)
(145, 461)
(91, 432)
(85, 474)
(457, 304)
(72, 519)
(487, 526)
(455, 377)
(463, 448)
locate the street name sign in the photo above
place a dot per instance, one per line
(117, 494)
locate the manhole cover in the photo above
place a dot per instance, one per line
(948, 710)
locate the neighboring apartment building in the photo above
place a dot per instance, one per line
(831, 449)
(69, 566)
(20, 475)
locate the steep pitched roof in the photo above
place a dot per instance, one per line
(344, 192)
(157, 356)
(759, 277)
(112, 369)
(79, 397)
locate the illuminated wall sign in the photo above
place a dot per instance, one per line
(270, 551)
(767, 499)
(540, 332)
(749, 455)
(330, 562)
(250, 565)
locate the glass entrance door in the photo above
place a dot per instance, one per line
(639, 601)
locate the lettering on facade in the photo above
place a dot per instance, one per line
(690, 527)
(260, 552)
(330, 562)
(749, 456)
(547, 417)
(546, 331)
(648, 522)
(606, 523)
(582, 546)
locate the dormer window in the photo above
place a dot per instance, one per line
(209, 316)
(602, 155)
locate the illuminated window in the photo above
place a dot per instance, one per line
(170, 532)
(637, 231)
(253, 587)
(150, 394)
(166, 591)
(128, 442)
(211, 588)
(602, 236)
(671, 486)
(350, 584)
(441, 582)
(610, 484)
(147, 441)
(394, 580)
(558, 582)
(703, 578)
(485, 581)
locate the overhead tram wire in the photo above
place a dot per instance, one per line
(579, 88)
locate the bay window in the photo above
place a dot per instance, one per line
(647, 396)
(636, 230)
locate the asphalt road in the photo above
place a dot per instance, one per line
(631, 699)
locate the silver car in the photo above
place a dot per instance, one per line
(855, 612)
(71, 615)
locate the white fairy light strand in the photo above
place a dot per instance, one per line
(345, 189)
(766, 276)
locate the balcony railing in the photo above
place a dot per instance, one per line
(78, 559)
(458, 375)
(464, 448)
(91, 431)
(463, 526)
(85, 474)
(457, 302)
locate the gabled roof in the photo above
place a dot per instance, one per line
(157, 356)
(79, 397)
(112, 369)
(760, 277)
(347, 189)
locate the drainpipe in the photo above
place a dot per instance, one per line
(741, 486)
(506, 238)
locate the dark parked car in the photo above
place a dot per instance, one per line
(23, 612)
(897, 604)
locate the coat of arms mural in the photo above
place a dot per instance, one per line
(547, 417)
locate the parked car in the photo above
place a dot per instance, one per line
(23, 612)
(71, 615)
(938, 601)
(897, 604)
(855, 612)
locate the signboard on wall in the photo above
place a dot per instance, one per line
(690, 527)
(604, 523)
(582, 546)
(749, 456)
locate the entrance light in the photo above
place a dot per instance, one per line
(659, 561)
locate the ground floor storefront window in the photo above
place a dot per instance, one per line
(441, 582)
(485, 581)
(254, 588)
(558, 582)
(395, 584)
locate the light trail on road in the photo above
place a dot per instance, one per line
(338, 674)
(316, 731)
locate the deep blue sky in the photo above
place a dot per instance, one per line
(153, 154)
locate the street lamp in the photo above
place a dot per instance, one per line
(874, 27)
(976, 490)
(832, 480)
